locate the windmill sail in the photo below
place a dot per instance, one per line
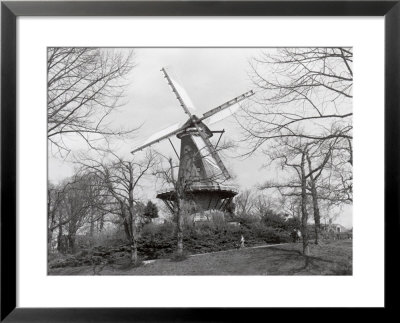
(160, 135)
(201, 170)
(180, 93)
(213, 171)
(184, 95)
(221, 115)
(233, 104)
(213, 162)
(213, 151)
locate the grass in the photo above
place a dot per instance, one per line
(332, 258)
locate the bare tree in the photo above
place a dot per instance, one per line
(165, 171)
(121, 179)
(98, 197)
(54, 202)
(85, 85)
(57, 216)
(244, 203)
(337, 188)
(317, 157)
(301, 115)
(307, 161)
(72, 205)
(290, 204)
(304, 213)
(301, 92)
(263, 204)
(75, 208)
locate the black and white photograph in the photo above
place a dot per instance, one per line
(200, 161)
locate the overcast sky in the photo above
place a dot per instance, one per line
(211, 76)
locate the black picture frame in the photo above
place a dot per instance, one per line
(11, 10)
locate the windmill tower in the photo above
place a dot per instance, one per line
(202, 177)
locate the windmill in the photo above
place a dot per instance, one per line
(202, 176)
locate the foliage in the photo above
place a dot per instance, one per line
(292, 223)
(159, 241)
(245, 220)
(150, 211)
(274, 220)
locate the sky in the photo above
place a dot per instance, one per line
(211, 76)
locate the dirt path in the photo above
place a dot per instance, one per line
(230, 250)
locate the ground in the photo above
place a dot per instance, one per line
(329, 258)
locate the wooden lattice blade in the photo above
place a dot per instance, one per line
(160, 135)
(180, 93)
(213, 170)
(213, 152)
(221, 108)
(219, 116)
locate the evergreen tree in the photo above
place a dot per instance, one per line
(150, 211)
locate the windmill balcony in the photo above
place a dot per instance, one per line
(224, 191)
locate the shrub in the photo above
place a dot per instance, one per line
(154, 230)
(246, 220)
(274, 220)
(159, 241)
(292, 223)
(260, 232)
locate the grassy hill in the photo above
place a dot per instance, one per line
(330, 258)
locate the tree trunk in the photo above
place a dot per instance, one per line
(130, 234)
(317, 217)
(49, 239)
(304, 213)
(91, 232)
(132, 218)
(126, 230)
(101, 223)
(134, 256)
(91, 227)
(179, 187)
(314, 194)
(50, 230)
(71, 243)
(59, 239)
(179, 221)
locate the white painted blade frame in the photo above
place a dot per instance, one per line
(212, 168)
(221, 115)
(180, 94)
(213, 152)
(159, 136)
(224, 106)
